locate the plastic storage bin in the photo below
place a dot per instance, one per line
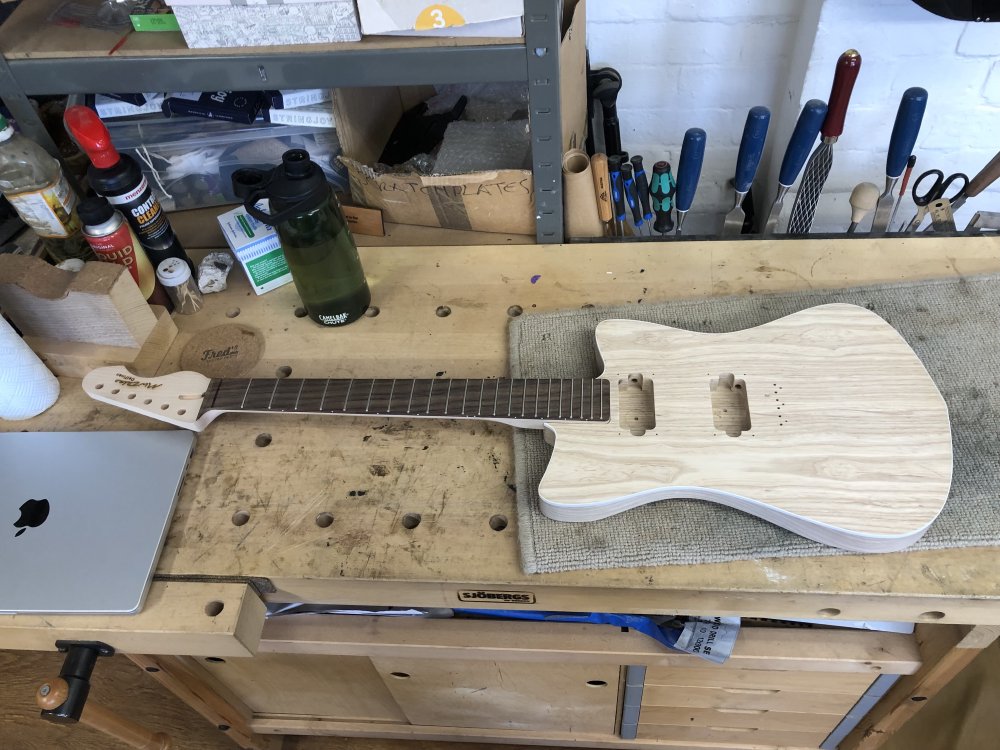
(189, 161)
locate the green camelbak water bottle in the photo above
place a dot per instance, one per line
(318, 246)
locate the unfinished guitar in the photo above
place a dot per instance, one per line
(824, 422)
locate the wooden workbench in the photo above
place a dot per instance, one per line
(423, 509)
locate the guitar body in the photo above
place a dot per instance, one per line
(824, 422)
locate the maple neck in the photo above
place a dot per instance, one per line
(503, 399)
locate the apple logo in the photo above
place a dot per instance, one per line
(33, 514)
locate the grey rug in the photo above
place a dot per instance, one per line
(954, 327)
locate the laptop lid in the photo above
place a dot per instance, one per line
(83, 517)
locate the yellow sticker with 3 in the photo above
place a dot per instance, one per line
(438, 17)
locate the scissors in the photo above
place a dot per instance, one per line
(936, 192)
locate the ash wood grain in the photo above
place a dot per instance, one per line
(368, 556)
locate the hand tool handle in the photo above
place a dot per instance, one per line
(602, 185)
(662, 190)
(689, 168)
(642, 184)
(840, 95)
(986, 177)
(904, 131)
(631, 194)
(617, 188)
(802, 140)
(864, 198)
(910, 164)
(751, 147)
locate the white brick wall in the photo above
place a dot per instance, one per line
(704, 63)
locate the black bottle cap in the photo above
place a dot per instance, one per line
(94, 211)
(298, 181)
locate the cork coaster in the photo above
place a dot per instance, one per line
(224, 351)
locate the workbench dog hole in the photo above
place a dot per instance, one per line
(215, 659)
(300, 312)
(240, 518)
(514, 310)
(283, 372)
(232, 312)
(498, 522)
(400, 675)
(152, 670)
(263, 440)
(443, 311)
(930, 616)
(324, 520)
(371, 311)
(596, 683)
(214, 609)
(829, 612)
(411, 520)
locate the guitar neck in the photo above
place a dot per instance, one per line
(498, 399)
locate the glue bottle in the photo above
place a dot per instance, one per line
(35, 185)
(119, 179)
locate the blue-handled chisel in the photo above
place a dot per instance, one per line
(688, 172)
(901, 142)
(799, 145)
(747, 161)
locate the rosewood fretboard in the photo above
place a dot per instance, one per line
(531, 399)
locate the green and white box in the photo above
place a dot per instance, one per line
(257, 247)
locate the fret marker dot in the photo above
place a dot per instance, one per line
(283, 372)
(300, 312)
(240, 518)
(232, 312)
(514, 310)
(498, 523)
(324, 520)
(411, 520)
(443, 311)
(371, 311)
(263, 440)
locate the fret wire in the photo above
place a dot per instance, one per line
(496, 397)
(548, 398)
(571, 384)
(429, 392)
(298, 395)
(602, 399)
(482, 388)
(591, 399)
(538, 388)
(249, 383)
(273, 391)
(350, 384)
(524, 392)
(447, 396)
(510, 399)
(368, 403)
(465, 395)
(323, 397)
(409, 403)
(392, 388)
(560, 397)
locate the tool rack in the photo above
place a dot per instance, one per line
(37, 58)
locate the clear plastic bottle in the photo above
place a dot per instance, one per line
(34, 184)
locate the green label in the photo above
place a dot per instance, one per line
(245, 226)
(267, 267)
(155, 22)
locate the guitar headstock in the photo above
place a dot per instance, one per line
(175, 398)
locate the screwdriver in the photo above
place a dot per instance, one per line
(632, 196)
(662, 191)
(642, 184)
(617, 193)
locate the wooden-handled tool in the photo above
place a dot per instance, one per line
(821, 161)
(602, 188)
(986, 177)
(54, 692)
(806, 129)
(747, 161)
(904, 136)
(864, 197)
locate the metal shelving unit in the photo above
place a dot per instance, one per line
(35, 60)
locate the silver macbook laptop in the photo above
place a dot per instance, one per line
(83, 517)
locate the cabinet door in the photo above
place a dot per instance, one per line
(504, 695)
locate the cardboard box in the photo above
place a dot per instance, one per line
(466, 18)
(257, 248)
(497, 201)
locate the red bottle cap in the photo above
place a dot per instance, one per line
(86, 128)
